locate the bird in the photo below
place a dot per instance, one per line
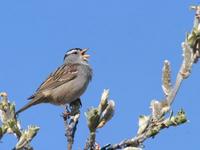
(67, 83)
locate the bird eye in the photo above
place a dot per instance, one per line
(75, 52)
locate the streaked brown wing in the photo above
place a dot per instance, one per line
(63, 74)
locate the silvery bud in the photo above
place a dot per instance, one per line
(104, 100)
(107, 113)
(26, 137)
(143, 123)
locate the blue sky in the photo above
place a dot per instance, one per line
(128, 41)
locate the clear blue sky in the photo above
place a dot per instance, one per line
(128, 41)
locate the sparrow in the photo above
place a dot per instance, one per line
(67, 83)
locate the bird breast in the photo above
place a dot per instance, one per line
(71, 90)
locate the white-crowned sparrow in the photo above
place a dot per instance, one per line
(67, 83)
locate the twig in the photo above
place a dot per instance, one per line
(97, 118)
(10, 125)
(90, 144)
(154, 129)
(182, 74)
(149, 126)
(70, 122)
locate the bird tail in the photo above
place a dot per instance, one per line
(35, 100)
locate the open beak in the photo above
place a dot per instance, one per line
(83, 53)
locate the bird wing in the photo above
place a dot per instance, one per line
(62, 75)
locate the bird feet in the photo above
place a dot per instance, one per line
(72, 109)
(66, 114)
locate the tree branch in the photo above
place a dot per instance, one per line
(151, 125)
(10, 125)
(70, 121)
(152, 130)
(97, 118)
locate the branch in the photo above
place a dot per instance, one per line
(151, 125)
(153, 130)
(70, 118)
(97, 118)
(10, 125)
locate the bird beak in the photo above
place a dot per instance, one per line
(85, 56)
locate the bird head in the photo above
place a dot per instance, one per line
(76, 55)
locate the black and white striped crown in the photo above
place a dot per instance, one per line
(72, 51)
